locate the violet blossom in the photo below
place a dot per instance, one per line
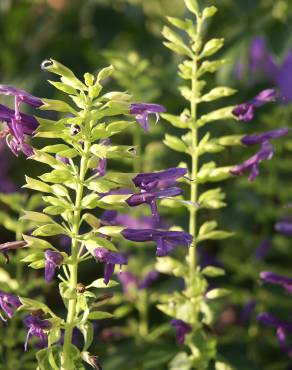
(270, 277)
(130, 281)
(282, 329)
(165, 241)
(19, 124)
(37, 327)
(110, 259)
(142, 110)
(52, 261)
(252, 164)
(265, 136)
(284, 227)
(8, 303)
(245, 112)
(114, 218)
(8, 246)
(182, 329)
(263, 249)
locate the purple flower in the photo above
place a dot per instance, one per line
(142, 111)
(20, 96)
(182, 329)
(260, 58)
(151, 197)
(6, 247)
(115, 218)
(17, 129)
(282, 328)
(161, 179)
(8, 303)
(263, 249)
(252, 164)
(62, 159)
(149, 279)
(165, 241)
(270, 277)
(101, 168)
(130, 281)
(265, 136)
(284, 227)
(247, 311)
(283, 78)
(245, 112)
(37, 327)
(52, 261)
(110, 259)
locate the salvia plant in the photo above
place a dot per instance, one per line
(86, 202)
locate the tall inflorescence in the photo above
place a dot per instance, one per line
(191, 308)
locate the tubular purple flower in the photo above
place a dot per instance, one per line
(270, 277)
(151, 197)
(8, 303)
(252, 164)
(129, 282)
(114, 218)
(266, 136)
(52, 261)
(165, 241)
(247, 311)
(260, 58)
(142, 111)
(62, 159)
(182, 329)
(149, 279)
(21, 96)
(161, 179)
(245, 112)
(110, 259)
(37, 327)
(6, 247)
(284, 227)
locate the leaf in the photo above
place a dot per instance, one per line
(56, 176)
(37, 243)
(175, 143)
(54, 148)
(212, 199)
(173, 37)
(33, 305)
(87, 331)
(222, 366)
(171, 266)
(209, 12)
(99, 315)
(211, 47)
(181, 362)
(217, 293)
(48, 230)
(90, 201)
(57, 105)
(210, 66)
(182, 50)
(111, 230)
(207, 227)
(217, 93)
(92, 221)
(99, 283)
(98, 242)
(63, 87)
(48, 159)
(219, 114)
(212, 271)
(215, 235)
(37, 217)
(192, 5)
(37, 185)
(105, 72)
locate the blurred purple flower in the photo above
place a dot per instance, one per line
(182, 329)
(260, 58)
(142, 111)
(282, 329)
(115, 218)
(270, 277)
(284, 227)
(165, 241)
(208, 259)
(62, 159)
(110, 259)
(252, 164)
(263, 249)
(162, 179)
(37, 327)
(20, 96)
(265, 136)
(52, 261)
(247, 311)
(8, 246)
(283, 78)
(8, 303)
(130, 281)
(245, 112)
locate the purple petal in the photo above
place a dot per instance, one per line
(284, 228)
(260, 138)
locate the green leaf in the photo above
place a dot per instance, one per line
(48, 159)
(99, 283)
(31, 257)
(181, 362)
(105, 72)
(37, 243)
(118, 126)
(212, 271)
(91, 220)
(222, 366)
(33, 305)
(99, 315)
(219, 114)
(175, 143)
(88, 79)
(209, 173)
(217, 293)
(115, 199)
(37, 217)
(37, 185)
(54, 210)
(217, 93)
(192, 5)
(173, 38)
(171, 266)
(111, 230)
(215, 235)
(212, 199)
(97, 242)
(176, 121)
(39, 264)
(90, 201)
(207, 227)
(209, 12)
(57, 105)
(210, 66)
(181, 50)
(87, 331)
(211, 47)
(60, 190)
(67, 292)
(56, 176)
(48, 230)
(63, 87)
(54, 148)
(231, 140)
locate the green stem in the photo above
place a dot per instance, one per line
(73, 267)
(142, 307)
(137, 142)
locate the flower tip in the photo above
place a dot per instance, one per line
(46, 64)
